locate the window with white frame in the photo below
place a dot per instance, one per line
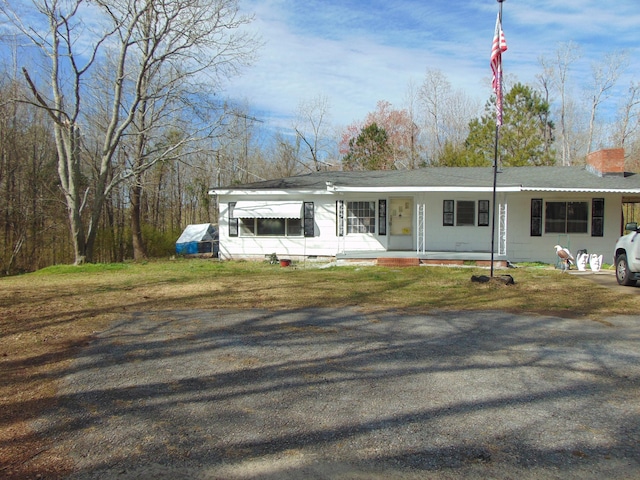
(361, 217)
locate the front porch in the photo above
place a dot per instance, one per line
(405, 258)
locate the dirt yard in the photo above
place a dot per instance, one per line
(295, 327)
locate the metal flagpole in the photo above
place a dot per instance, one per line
(495, 151)
(493, 201)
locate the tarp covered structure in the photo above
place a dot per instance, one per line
(198, 238)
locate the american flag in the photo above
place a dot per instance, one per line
(499, 46)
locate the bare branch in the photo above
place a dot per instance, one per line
(53, 113)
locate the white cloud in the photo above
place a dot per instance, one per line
(359, 53)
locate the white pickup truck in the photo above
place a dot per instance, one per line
(627, 256)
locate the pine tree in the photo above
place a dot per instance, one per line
(369, 151)
(525, 138)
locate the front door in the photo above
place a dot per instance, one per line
(401, 224)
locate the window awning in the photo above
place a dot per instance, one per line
(268, 209)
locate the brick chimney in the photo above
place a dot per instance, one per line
(606, 162)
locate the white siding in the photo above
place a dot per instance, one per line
(325, 243)
(521, 246)
(442, 238)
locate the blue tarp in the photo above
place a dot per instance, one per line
(199, 238)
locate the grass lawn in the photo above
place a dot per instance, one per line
(46, 316)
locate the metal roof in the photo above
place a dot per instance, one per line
(561, 179)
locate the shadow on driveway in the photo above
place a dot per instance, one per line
(352, 393)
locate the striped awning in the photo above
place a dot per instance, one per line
(268, 209)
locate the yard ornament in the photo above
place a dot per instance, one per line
(581, 261)
(595, 262)
(565, 257)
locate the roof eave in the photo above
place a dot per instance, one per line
(261, 192)
(424, 189)
(415, 189)
(582, 190)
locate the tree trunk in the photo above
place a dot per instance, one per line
(77, 234)
(139, 248)
(69, 173)
(100, 196)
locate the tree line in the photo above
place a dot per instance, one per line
(545, 123)
(112, 131)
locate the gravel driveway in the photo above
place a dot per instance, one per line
(353, 394)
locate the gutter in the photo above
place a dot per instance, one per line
(268, 192)
(331, 189)
(424, 189)
(581, 190)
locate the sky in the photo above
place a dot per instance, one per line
(356, 53)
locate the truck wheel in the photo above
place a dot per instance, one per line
(623, 274)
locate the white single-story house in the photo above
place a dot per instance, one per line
(431, 215)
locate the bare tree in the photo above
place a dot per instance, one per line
(557, 71)
(577, 127)
(187, 40)
(312, 127)
(237, 147)
(460, 110)
(29, 214)
(286, 157)
(434, 92)
(411, 101)
(605, 74)
(545, 83)
(628, 116)
(626, 133)
(447, 113)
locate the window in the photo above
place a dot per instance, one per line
(233, 222)
(382, 217)
(247, 227)
(271, 227)
(597, 217)
(536, 217)
(361, 217)
(566, 217)
(465, 213)
(483, 213)
(294, 227)
(309, 222)
(340, 218)
(447, 213)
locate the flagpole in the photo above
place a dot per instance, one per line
(493, 202)
(495, 162)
